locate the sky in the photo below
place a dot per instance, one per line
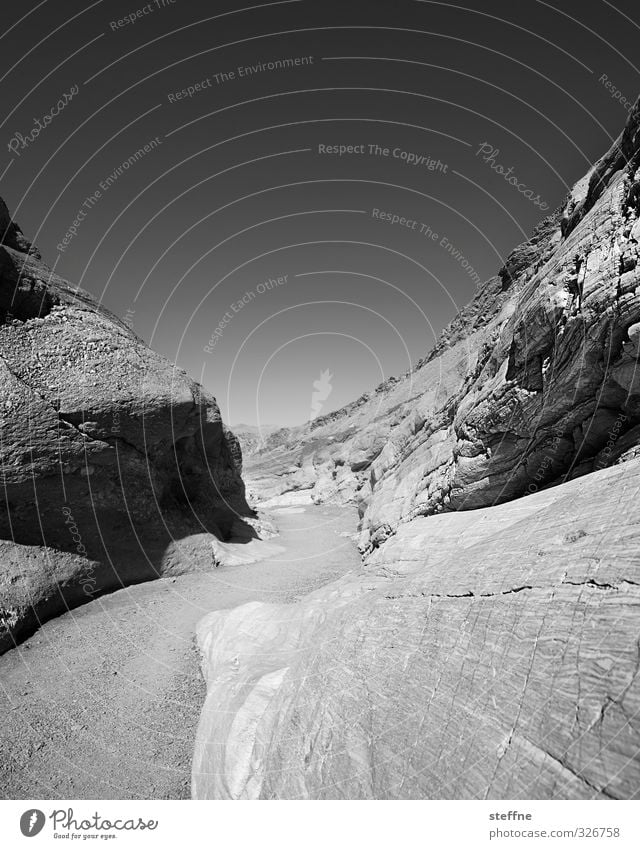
(291, 200)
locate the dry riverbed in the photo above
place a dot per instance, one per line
(104, 701)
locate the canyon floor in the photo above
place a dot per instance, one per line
(103, 702)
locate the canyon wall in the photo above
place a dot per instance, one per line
(489, 646)
(533, 383)
(116, 467)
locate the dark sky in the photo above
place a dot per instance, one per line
(233, 191)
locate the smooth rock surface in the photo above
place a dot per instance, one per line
(487, 654)
(489, 648)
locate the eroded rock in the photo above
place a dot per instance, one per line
(490, 653)
(110, 454)
(527, 386)
(489, 647)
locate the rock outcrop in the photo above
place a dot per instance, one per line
(528, 386)
(489, 647)
(110, 454)
(492, 653)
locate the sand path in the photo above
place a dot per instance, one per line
(103, 702)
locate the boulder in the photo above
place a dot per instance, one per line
(110, 454)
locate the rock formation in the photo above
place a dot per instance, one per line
(528, 386)
(489, 647)
(111, 456)
(253, 438)
(484, 654)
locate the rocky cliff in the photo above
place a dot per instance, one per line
(114, 462)
(533, 383)
(489, 647)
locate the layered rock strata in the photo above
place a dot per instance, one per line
(489, 647)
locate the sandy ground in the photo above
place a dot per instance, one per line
(104, 701)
